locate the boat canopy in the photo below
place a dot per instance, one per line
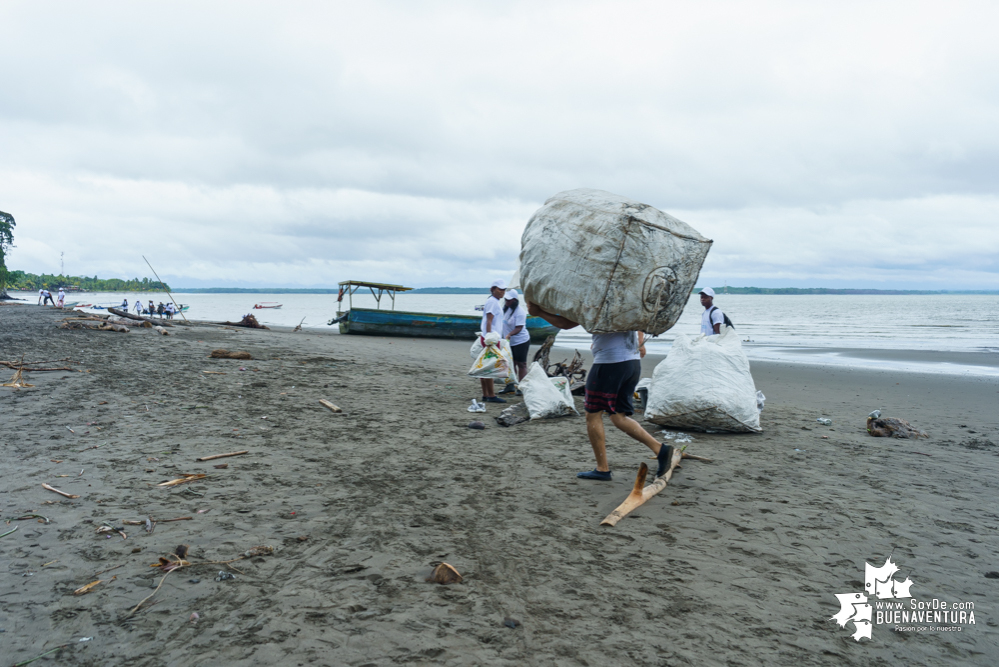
(348, 287)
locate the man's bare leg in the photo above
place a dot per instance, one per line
(635, 430)
(595, 430)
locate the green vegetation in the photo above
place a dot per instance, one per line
(30, 282)
(7, 225)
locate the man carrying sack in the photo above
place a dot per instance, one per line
(610, 385)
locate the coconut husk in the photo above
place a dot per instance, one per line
(445, 574)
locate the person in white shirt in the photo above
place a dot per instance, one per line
(169, 310)
(492, 320)
(712, 319)
(515, 330)
(124, 305)
(137, 306)
(62, 298)
(610, 386)
(41, 295)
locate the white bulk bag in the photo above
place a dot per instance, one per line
(609, 263)
(544, 396)
(704, 384)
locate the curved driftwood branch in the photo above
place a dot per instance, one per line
(640, 493)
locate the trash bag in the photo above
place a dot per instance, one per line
(546, 397)
(704, 384)
(495, 360)
(609, 263)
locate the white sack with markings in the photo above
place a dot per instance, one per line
(609, 263)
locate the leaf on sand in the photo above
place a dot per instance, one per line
(89, 587)
(182, 480)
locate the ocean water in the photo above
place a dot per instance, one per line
(774, 327)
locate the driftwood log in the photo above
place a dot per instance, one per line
(641, 493)
(96, 325)
(127, 315)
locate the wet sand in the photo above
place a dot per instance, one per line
(735, 563)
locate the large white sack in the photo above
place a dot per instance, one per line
(544, 396)
(704, 384)
(609, 263)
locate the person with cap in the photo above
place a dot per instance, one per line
(712, 318)
(515, 331)
(610, 386)
(138, 306)
(61, 298)
(492, 321)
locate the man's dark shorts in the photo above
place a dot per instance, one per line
(520, 352)
(610, 387)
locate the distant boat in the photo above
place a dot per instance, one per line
(267, 304)
(377, 322)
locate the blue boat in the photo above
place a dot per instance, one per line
(377, 322)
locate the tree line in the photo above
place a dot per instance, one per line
(30, 282)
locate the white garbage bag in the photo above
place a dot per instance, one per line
(544, 396)
(609, 263)
(495, 359)
(704, 384)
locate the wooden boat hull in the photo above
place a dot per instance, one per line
(371, 322)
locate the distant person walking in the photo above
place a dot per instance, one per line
(152, 309)
(124, 305)
(138, 307)
(610, 386)
(492, 321)
(159, 310)
(62, 298)
(712, 318)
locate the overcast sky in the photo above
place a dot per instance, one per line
(294, 144)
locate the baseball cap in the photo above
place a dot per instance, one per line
(707, 290)
(511, 294)
(499, 283)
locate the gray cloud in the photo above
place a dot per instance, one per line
(293, 145)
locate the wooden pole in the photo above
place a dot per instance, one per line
(179, 310)
(640, 495)
(222, 456)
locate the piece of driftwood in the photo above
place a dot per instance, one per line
(226, 354)
(515, 414)
(222, 456)
(248, 321)
(641, 493)
(890, 427)
(97, 326)
(129, 316)
(541, 356)
(160, 330)
(445, 574)
(182, 480)
(61, 493)
(329, 405)
(89, 587)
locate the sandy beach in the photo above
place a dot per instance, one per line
(736, 562)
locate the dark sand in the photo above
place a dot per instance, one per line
(735, 563)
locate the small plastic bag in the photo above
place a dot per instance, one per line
(495, 361)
